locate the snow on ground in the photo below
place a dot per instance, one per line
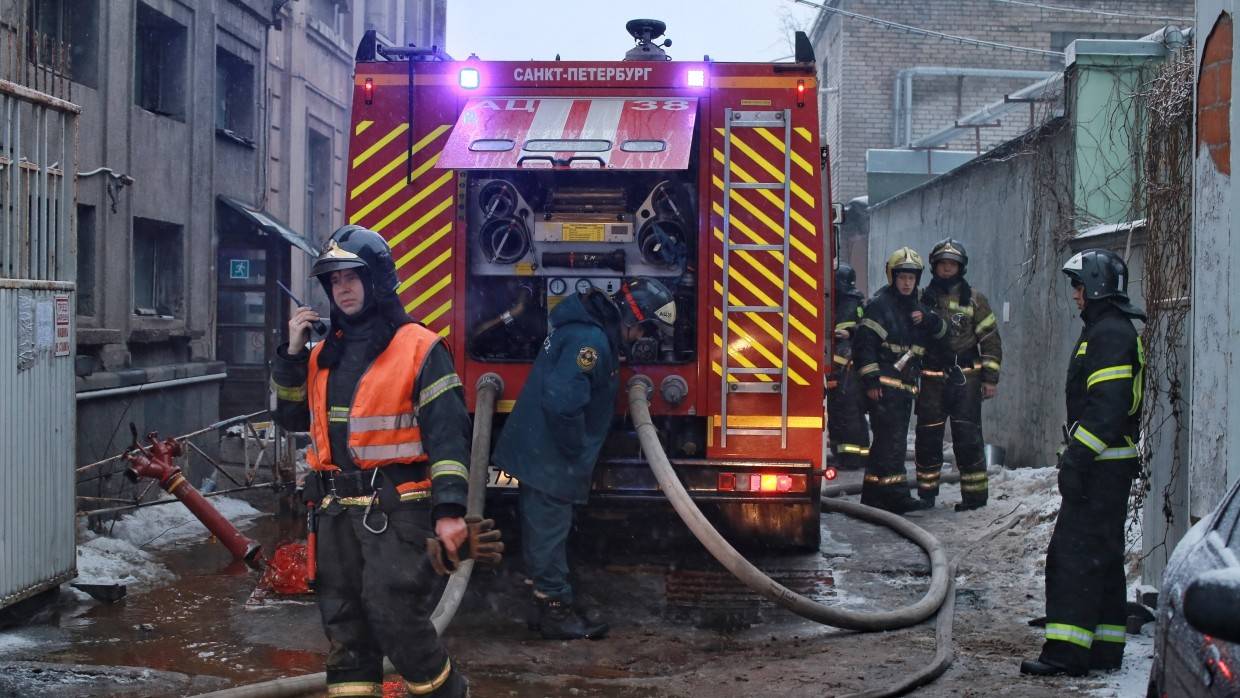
(125, 556)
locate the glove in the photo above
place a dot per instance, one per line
(482, 543)
(1071, 477)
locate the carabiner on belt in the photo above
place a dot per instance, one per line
(374, 497)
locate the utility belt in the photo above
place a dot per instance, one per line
(388, 487)
(952, 368)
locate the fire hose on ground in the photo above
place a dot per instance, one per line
(489, 388)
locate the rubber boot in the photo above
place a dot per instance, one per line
(927, 501)
(1106, 656)
(455, 687)
(1042, 667)
(968, 505)
(558, 620)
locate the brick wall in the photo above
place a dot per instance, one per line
(1214, 95)
(863, 60)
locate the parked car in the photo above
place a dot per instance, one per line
(1197, 635)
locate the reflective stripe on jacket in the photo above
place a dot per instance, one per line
(383, 418)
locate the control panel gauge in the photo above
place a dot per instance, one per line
(584, 286)
(557, 286)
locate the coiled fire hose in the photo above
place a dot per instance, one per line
(639, 390)
(489, 388)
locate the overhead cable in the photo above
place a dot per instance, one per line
(908, 29)
(1100, 13)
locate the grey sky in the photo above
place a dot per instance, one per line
(727, 30)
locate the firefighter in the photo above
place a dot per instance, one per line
(556, 430)
(1085, 607)
(887, 348)
(390, 439)
(850, 437)
(958, 374)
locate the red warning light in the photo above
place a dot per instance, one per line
(800, 93)
(368, 88)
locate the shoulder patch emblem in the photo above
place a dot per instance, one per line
(586, 358)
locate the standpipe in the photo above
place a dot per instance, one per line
(489, 389)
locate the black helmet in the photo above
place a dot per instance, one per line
(952, 250)
(641, 299)
(355, 247)
(845, 278)
(1103, 274)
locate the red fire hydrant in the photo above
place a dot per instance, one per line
(155, 462)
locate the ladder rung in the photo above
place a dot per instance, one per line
(755, 432)
(756, 185)
(772, 123)
(755, 308)
(756, 371)
(764, 388)
(753, 247)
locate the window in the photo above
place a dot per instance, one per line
(234, 97)
(86, 260)
(332, 17)
(157, 268)
(160, 47)
(318, 187)
(71, 22)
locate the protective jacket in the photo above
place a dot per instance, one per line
(886, 334)
(849, 435)
(972, 339)
(561, 418)
(847, 316)
(1104, 388)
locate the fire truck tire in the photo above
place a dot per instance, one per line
(490, 387)
(639, 390)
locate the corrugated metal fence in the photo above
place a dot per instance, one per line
(37, 341)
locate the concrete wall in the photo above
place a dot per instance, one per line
(862, 59)
(986, 204)
(1214, 451)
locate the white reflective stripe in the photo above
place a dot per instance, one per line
(1110, 373)
(449, 467)
(1069, 633)
(1110, 633)
(409, 449)
(396, 421)
(877, 328)
(438, 388)
(1121, 453)
(1091, 442)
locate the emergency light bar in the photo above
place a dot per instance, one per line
(696, 78)
(469, 78)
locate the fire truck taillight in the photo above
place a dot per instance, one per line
(830, 473)
(696, 78)
(368, 88)
(800, 93)
(765, 482)
(469, 78)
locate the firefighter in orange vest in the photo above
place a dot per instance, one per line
(390, 438)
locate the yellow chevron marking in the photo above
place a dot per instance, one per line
(362, 126)
(400, 184)
(763, 298)
(779, 256)
(766, 220)
(417, 225)
(778, 143)
(439, 286)
(775, 200)
(770, 169)
(447, 331)
(775, 334)
(422, 246)
(804, 133)
(391, 136)
(761, 349)
(413, 201)
(754, 421)
(740, 359)
(770, 276)
(421, 273)
(400, 160)
(719, 369)
(436, 313)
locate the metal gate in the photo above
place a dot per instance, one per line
(38, 268)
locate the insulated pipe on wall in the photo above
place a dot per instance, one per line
(489, 389)
(902, 90)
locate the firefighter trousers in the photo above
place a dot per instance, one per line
(1086, 612)
(545, 524)
(376, 592)
(850, 437)
(885, 479)
(956, 397)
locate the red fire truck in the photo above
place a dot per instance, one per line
(502, 187)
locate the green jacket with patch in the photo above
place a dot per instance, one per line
(553, 437)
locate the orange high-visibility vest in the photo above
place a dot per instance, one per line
(383, 419)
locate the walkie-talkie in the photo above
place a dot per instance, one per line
(317, 325)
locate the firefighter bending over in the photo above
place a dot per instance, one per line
(888, 347)
(850, 437)
(958, 374)
(1086, 612)
(557, 427)
(389, 443)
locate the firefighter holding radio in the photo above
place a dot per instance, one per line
(557, 427)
